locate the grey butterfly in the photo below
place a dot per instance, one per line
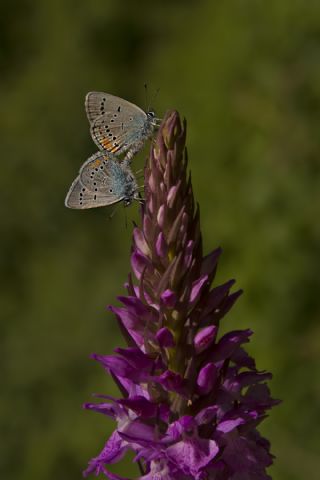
(102, 181)
(118, 126)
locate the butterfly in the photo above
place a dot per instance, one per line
(118, 126)
(102, 181)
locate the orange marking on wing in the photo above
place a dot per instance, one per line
(106, 144)
(96, 163)
(115, 149)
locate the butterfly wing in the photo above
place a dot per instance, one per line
(99, 103)
(98, 184)
(96, 173)
(115, 123)
(80, 197)
(95, 104)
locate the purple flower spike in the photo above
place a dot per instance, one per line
(191, 399)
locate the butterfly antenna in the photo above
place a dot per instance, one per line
(150, 105)
(146, 96)
(155, 94)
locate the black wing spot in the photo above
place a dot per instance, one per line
(94, 183)
(83, 189)
(130, 118)
(114, 138)
(110, 190)
(95, 197)
(112, 120)
(95, 189)
(115, 115)
(119, 108)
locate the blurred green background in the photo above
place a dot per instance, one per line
(246, 75)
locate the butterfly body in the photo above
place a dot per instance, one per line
(118, 126)
(102, 181)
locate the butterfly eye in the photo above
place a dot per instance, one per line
(151, 114)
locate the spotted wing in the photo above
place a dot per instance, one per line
(80, 197)
(119, 126)
(99, 103)
(97, 173)
(96, 184)
(95, 104)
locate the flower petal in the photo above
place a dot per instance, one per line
(161, 216)
(245, 456)
(209, 263)
(139, 263)
(168, 298)
(161, 246)
(165, 338)
(172, 194)
(192, 455)
(139, 432)
(197, 288)
(185, 424)
(140, 241)
(112, 452)
(141, 406)
(228, 344)
(228, 425)
(159, 470)
(204, 338)
(207, 378)
(171, 381)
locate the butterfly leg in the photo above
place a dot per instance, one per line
(140, 199)
(128, 158)
(134, 149)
